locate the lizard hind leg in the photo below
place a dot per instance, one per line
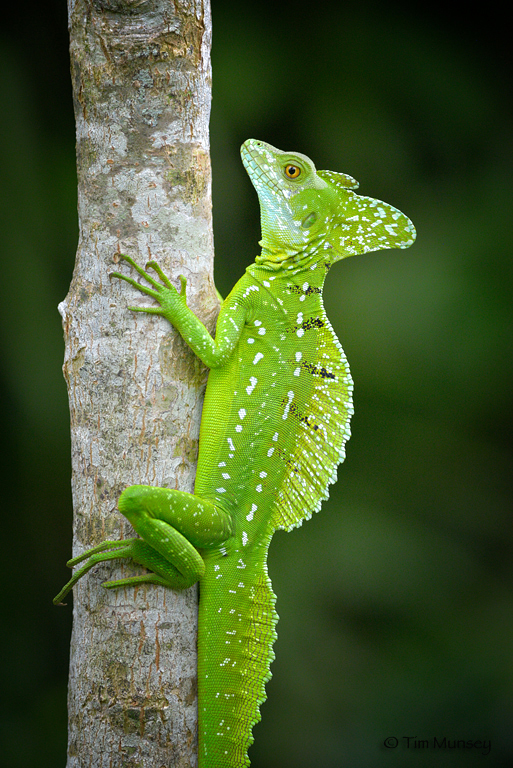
(155, 512)
(175, 524)
(172, 524)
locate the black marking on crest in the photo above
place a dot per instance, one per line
(317, 371)
(285, 458)
(294, 411)
(307, 325)
(299, 290)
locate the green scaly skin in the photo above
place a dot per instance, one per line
(274, 424)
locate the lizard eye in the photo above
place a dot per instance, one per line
(292, 171)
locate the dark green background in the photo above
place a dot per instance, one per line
(396, 601)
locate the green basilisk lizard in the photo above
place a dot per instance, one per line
(274, 424)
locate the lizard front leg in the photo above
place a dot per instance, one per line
(214, 353)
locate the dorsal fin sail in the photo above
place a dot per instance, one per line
(322, 415)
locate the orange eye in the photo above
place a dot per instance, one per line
(292, 171)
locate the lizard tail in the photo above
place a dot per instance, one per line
(238, 621)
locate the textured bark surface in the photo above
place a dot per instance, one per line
(141, 80)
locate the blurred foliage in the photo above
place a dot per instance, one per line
(396, 601)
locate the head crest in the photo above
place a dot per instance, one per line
(362, 224)
(341, 180)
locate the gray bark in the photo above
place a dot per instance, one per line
(141, 80)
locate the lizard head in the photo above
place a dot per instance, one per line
(308, 215)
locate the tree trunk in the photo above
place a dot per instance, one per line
(141, 80)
